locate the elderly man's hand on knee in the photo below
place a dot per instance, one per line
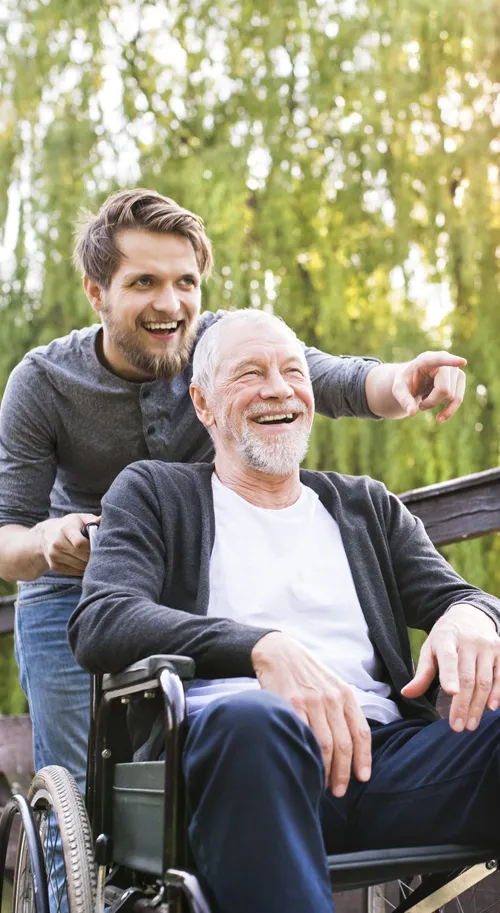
(464, 648)
(322, 700)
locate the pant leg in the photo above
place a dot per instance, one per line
(255, 777)
(429, 785)
(58, 691)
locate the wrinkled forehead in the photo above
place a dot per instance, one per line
(260, 343)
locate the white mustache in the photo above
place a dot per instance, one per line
(291, 405)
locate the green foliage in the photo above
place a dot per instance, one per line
(343, 155)
(12, 699)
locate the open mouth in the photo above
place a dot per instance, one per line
(163, 329)
(283, 418)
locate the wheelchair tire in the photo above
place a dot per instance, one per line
(61, 818)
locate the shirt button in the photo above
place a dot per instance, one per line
(151, 429)
(146, 393)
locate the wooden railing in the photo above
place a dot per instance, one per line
(460, 509)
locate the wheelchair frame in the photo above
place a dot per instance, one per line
(106, 747)
(449, 870)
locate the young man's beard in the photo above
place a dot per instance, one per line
(164, 366)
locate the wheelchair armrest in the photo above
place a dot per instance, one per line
(149, 668)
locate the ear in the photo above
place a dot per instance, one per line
(93, 292)
(201, 406)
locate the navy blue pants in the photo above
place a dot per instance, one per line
(262, 820)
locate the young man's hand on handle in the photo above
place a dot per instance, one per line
(65, 549)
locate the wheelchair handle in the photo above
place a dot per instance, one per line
(89, 530)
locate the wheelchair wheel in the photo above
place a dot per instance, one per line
(66, 840)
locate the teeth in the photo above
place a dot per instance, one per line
(161, 326)
(268, 419)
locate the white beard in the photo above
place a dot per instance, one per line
(281, 453)
(279, 456)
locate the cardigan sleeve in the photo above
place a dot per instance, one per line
(427, 583)
(122, 617)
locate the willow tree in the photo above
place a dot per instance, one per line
(343, 154)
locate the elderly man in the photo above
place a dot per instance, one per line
(292, 591)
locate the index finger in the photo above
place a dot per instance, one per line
(439, 359)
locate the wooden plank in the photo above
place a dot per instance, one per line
(16, 750)
(7, 614)
(460, 509)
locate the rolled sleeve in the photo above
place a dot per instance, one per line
(339, 383)
(27, 448)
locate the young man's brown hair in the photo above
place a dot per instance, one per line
(96, 252)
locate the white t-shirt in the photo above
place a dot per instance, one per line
(287, 569)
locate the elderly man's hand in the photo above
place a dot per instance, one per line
(464, 648)
(429, 380)
(323, 701)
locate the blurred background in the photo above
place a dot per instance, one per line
(344, 156)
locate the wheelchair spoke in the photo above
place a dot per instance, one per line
(471, 901)
(54, 866)
(23, 902)
(56, 873)
(404, 888)
(490, 907)
(50, 849)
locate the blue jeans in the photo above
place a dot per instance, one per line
(261, 818)
(58, 691)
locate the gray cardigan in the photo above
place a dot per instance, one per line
(146, 587)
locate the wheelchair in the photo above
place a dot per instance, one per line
(125, 850)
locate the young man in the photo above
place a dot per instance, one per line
(77, 411)
(293, 591)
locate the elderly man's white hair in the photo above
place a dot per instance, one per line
(206, 354)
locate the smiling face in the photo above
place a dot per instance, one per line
(262, 406)
(150, 310)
